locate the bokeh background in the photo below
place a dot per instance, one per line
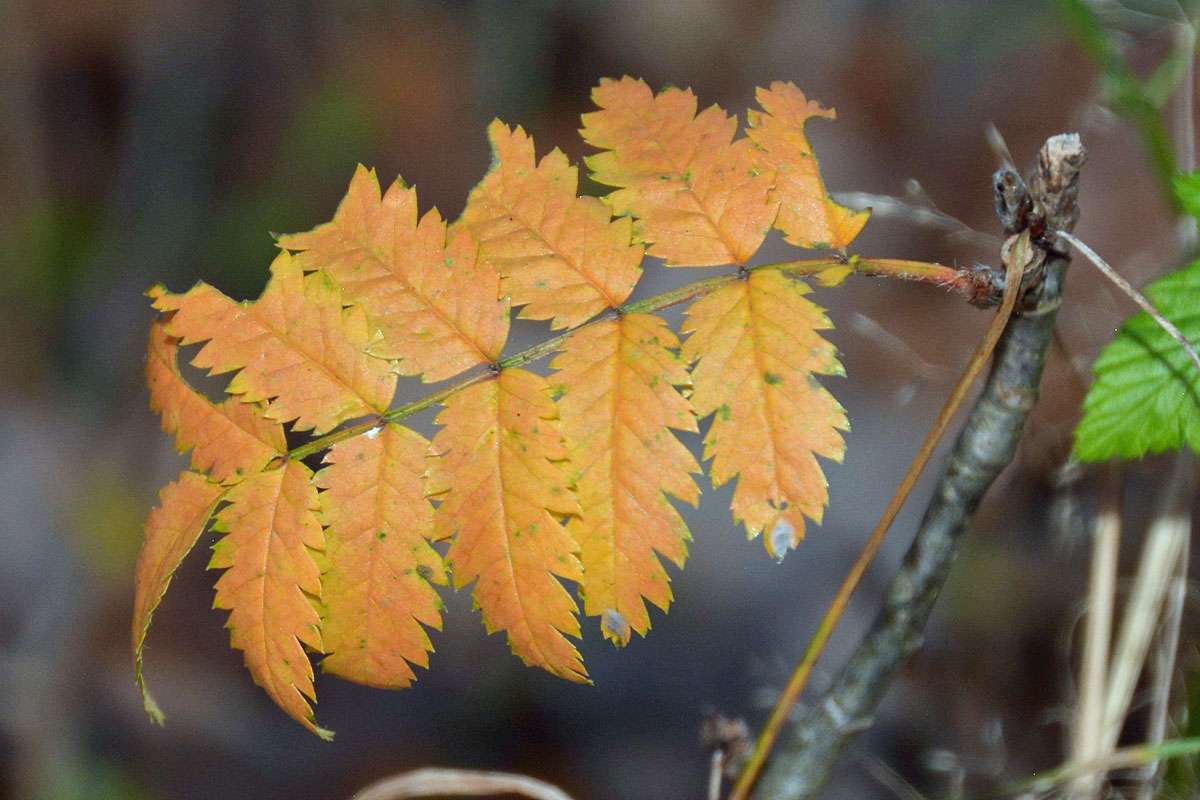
(145, 141)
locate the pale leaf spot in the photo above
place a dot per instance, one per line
(780, 539)
(615, 627)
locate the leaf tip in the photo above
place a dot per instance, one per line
(151, 707)
(615, 627)
(834, 276)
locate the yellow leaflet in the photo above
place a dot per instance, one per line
(499, 473)
(700, 198)
(562, 257)
(172, 529)
(296, 348)
(808, 216)
(228, 440)
(430, 303)
(375, 587)
(757, 353)
(618, 382)
(271, 581)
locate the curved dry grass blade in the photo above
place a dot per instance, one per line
(434, 782)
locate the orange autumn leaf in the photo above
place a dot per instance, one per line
(560, 256)
(756, 351)
(619, 383)
(295, 348)
(229, 439)
(700, 197)
(808, 216)
(172, 529)
(271, 581)
(498, 472)
(375, 585)
(431, 304)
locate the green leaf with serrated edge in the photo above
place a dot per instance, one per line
(1146, 395)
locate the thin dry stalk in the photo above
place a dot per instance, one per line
(891, 780)
(1165, 541)
(917, 209)
(1125, 758)
(1132, 293)
(1089, 715)
(716, 768)
(434, 782)
(999, 146)
(1162, 671)
(1162, 665)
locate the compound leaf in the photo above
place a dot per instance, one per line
(229, 439)
(172, 529)
(375, 587)
(700, 198)
(343, 563)
(433, 306)
(296, 347)
(808, 216)
(561, 256)
(756, 351)
(1146, 395)
(500, 476)
(271, 580)
(618, 382)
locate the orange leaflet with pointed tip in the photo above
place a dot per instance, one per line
(296, 347)
(432, 305)
(499, 473)
(808, 216)
(375, 587)
(172, 529)
(228, 440)
(618, 382)
(271, 580)
(561, 256)
(699, 197)
(757, 351)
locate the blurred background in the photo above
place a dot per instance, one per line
(162, 141)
